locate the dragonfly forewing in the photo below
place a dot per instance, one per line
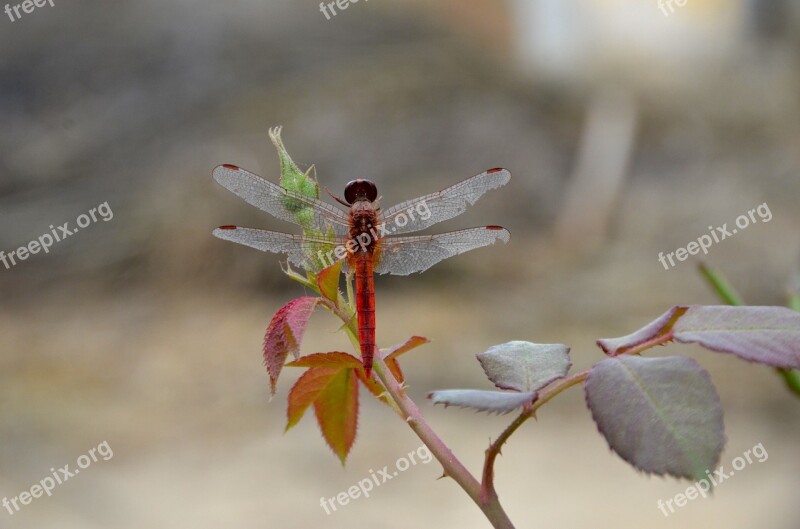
(425, 211)
(308, 212)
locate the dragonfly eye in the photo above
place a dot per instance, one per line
(360, 190)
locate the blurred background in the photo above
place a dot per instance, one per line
(630, 127)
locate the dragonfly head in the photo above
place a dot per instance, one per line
(360, 190)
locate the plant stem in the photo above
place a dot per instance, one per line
(729, 295)
(487, 483)
(792, 379)
(351, 298)
(794, 301)
(720, 285)
(450, 463)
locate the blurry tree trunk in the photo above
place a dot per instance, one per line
(601, 165)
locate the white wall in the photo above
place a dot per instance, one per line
(569, 39)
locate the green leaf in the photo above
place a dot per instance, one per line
(661, 415)
(525, 366)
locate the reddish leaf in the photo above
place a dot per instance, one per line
(394, 367)
(336, 409)
(284, 334)
(306, 390)
(390, 355)
(328, 281)
(397, 350)
(333, 359)
(372, 385)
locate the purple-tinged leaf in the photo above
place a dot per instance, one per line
(285, 333)
(525, 366)
(661, 415)
(767, 335)
(488, 401)
(660, 327)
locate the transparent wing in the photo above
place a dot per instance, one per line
(281, 203)
(405, 255)
(309, 253)
(425, 211)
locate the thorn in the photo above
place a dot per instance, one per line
(444, 475)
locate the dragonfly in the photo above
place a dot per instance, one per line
(363, 235)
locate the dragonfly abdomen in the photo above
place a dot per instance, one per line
(365, 308)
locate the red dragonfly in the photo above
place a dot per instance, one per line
(364, 235)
